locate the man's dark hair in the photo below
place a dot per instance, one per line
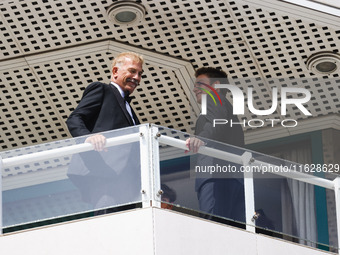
(211, 72)
(168, 193)
(214, 75)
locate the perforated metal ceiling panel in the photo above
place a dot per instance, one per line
(51, 50)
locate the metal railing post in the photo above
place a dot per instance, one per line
(337, 206)
(145, 168)
(150, 174)
(249, 197)
(155, 174)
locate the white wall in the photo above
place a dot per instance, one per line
(145, 231)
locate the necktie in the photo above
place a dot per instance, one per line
(127, 100)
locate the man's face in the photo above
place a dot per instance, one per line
(128, 75)
(200, 82)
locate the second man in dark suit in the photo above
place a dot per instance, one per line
(218, 194)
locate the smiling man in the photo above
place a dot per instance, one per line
(103, 106)
(102, 175)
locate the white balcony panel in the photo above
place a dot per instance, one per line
(146, 231)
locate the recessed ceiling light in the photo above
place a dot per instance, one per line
(126, 12)
(324, 62)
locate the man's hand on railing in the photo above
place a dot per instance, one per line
(193, 144)
(98, 141)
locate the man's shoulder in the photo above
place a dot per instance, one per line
(96, 87)
(96, 84)
(219, 107)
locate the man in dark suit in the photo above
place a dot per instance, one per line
(220, 194)
(101, 176)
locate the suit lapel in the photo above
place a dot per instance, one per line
(135, 117)
(122, 104)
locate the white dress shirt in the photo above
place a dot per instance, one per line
(128, 107)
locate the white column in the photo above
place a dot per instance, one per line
(150, 173)
(145, 165)
(337, 206)
(249, 197)
(155, 174)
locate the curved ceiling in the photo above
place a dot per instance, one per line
(51, 50)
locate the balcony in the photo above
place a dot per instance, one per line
(144, 185)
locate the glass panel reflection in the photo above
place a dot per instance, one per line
(67, 185)
(198, 186)
(287, 207)
(284, 207)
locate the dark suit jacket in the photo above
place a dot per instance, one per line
(101, 109)
(221, 133)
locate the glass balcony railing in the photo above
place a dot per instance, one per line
(148, 165)
(68, 178)
(268, 195)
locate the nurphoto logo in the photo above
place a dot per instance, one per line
(239, 105)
